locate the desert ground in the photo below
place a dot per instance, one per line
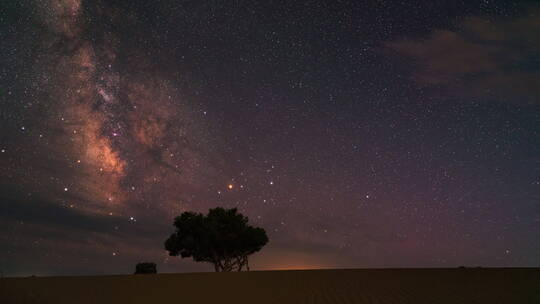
(384, 286)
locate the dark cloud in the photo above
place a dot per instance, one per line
(41, 235)
(480, 57)
(40, 211)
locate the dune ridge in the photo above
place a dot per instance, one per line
(384, 286)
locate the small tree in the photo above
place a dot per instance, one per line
(223, 238)
(145, 268)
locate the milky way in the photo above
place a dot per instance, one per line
(123, 133)
(357, 134)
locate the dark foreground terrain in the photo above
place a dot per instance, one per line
(475, 285)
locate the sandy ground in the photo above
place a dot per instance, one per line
(516, 286)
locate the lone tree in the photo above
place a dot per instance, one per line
(223, 238)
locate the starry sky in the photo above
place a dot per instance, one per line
(357, 133)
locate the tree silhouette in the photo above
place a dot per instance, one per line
(222, 237)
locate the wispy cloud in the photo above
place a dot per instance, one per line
(480, 58)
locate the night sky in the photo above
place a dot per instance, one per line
(357, 133)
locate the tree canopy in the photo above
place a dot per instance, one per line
(222, 238)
